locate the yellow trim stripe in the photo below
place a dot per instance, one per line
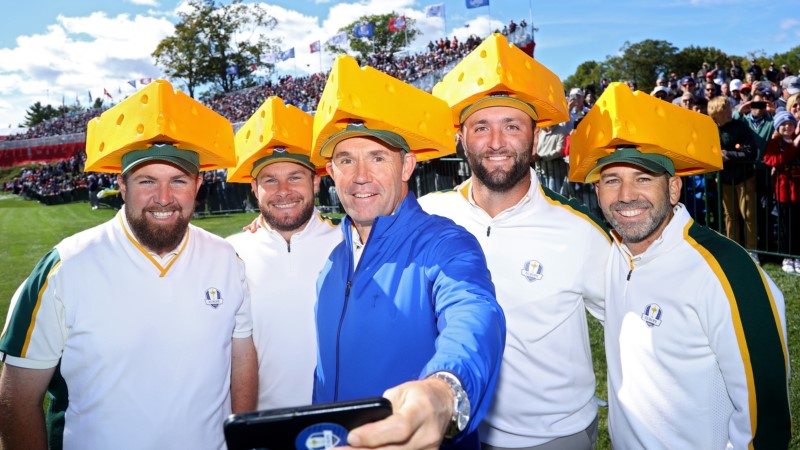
(578, 213)
(777, 317)
(162, 270)
(464, 189)
(36, 310)
(736, 319)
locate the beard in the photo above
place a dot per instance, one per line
(498, 180)
(155, 237)
(654, 216)
(281, 222)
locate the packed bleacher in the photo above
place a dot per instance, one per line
(761, 225)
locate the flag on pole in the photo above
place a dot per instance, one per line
(436, 10)
(132, 83)
(476, 3)
(315, 46)
(397, 23)
(253, 67)
(338, 39)
(105, 92)
(143, 81)
(269, 58)
(288, 54)
(364, 30)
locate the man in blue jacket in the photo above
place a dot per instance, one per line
(406, 307)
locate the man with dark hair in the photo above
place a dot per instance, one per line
(139, 329)
(543, 250)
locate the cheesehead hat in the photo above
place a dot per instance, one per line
(360, 101)
(157, 114)
(497, 73)
(661, 133)
(276, 132)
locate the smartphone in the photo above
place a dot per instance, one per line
(758, 105)
(314, 427)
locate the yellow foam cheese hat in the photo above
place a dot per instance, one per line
(275, 132)
(381, 102)
(497, 67)
(621, 118)
(158, 114)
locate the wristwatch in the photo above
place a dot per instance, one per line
(461, 406)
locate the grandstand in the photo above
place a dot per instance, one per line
(63, 139)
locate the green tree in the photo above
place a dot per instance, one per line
(211, 37)
(588, 73)
(791, 58)
(691, 59)
(383, 40)
(643, 61)
(38, 113)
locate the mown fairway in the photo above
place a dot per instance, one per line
(28, 230)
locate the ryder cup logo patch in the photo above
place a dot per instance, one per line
(213, 297)
(532, 270)
(652, 315)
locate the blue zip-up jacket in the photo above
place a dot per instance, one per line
(421, 301)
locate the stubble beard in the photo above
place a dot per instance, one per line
(290, 223)
(639, 231)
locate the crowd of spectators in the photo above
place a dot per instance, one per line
(756, 97)
(758, 118)
(70, 123)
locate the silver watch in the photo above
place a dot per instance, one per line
(461, 406)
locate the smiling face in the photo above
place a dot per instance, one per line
(285, 193)
(498, 142)
(371, 179)
(638, 204)
(159, 203)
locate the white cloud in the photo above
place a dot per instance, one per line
(143, 2)
(77, 54)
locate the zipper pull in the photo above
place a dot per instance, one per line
(488, 230)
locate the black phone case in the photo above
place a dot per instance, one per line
(280, 429)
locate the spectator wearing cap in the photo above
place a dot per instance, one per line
(687, 85)
(782, 156)
(661, 92)
(755, 113)
(736, 71)
(772, 72)
(785, 72)
(735, 88)
(577, 108)
(755, 69)
(789, 87)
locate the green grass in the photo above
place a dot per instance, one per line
(28, 230)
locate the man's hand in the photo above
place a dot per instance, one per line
(422, 412)
(253, 226)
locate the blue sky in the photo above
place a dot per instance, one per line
(54, 49)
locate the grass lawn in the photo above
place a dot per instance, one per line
(28, 230)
